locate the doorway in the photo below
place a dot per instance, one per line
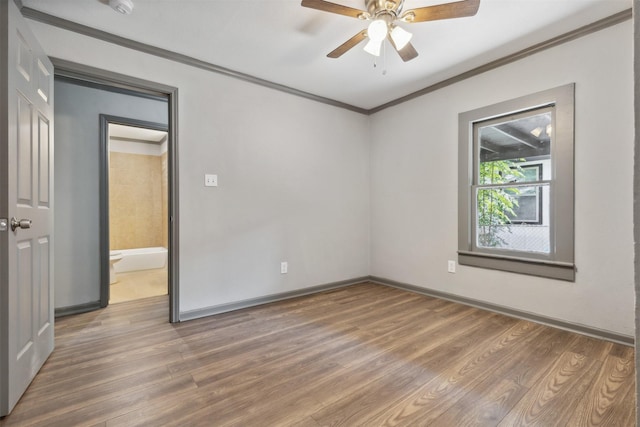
(136, 93)
(137, 213)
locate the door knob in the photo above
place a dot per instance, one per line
(23, 223)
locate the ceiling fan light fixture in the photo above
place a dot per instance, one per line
(536, 132)
(384, 15)
(377, 30)
(400, 37)
(373, 47)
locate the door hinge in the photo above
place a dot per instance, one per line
(4, 222)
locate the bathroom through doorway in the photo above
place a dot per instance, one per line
(136, 197)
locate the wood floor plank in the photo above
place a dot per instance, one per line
(591, 347)
(493, 397)
(416, 364)
(101, 374)
(430, 400)
(553, 399)
(373, 363)
(539, 356)
(361, 355)
(614, 382)
(99, 408)
(161, 413)
(484, 405)
(207, 347)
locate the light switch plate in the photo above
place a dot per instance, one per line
(210, 180)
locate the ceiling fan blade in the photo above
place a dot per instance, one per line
(457, 9)
(334, 8)
(407, 53)
(344, 47)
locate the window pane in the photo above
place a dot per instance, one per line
(505, 144)
(513, 218)
(505, 172)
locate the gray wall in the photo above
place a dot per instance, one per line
(415, 199)
(76, 185)
(293, 180)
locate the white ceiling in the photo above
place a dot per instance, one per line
(282, 42)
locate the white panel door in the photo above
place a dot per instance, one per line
(26, 171)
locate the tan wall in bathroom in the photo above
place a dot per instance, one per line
(137, 212)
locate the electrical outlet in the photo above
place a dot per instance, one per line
(451, 266)
(210, 180)
(284, 267)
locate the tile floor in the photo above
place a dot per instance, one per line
(139, 284)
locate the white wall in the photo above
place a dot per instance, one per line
(77, 183)
(414, 185)
(293, 179)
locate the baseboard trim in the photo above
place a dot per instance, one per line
(223, 308)
(548, 321)
(77, 309)
(507, 311)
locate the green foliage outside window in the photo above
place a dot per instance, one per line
(496, 204)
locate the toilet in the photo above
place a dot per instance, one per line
(114, 257)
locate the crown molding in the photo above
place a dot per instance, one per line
(85, 30)
(55, 21)
(537, 48)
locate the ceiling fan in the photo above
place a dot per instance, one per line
(384, 16)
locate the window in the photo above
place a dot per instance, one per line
(516, 185)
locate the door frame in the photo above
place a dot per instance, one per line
(120, 82)
(105, 213)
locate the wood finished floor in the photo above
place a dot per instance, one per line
(366, 355)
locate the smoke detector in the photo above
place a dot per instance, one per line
(123, 6)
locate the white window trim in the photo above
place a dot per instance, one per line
(559, 264)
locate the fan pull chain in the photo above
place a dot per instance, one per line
(384, 59)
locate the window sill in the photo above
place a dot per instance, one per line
(549, 269)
